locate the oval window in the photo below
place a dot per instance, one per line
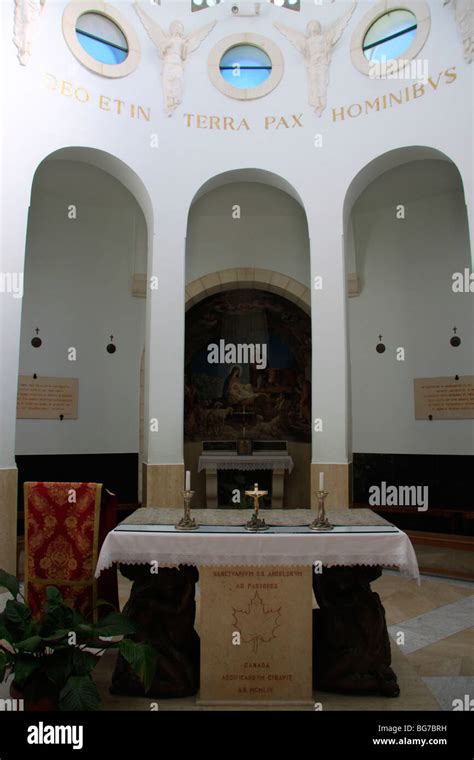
(101, 38)
(245, 66)
(390, 36)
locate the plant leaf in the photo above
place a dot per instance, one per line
(57, 616)
(83, 662)
(100, 644)
(4, 632)
(58, 666)
(114, 624)
(10, 583)
(84, 630)
(25, 666)
(142, 658)
(79, 693)
(4, 660)
(53, 595)
(30, 644)
(18, 620)
(57, 635)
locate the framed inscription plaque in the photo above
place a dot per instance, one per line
(47, 398)
(444, 398)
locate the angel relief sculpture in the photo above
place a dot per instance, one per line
(316, 47)
(464, 15)
(26, 24)
(173, 48)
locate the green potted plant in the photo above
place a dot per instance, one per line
(50, 658)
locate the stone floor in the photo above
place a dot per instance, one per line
(432, 632)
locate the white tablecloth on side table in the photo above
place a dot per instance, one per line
(242, 462)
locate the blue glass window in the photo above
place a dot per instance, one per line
(245, 66)
(390, 36)
(101, 38)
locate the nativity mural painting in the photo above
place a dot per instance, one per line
(247, 368)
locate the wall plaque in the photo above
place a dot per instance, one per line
(444, 398)
(46, 398)
(256, 634)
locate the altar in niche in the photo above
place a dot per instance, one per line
(247, 381)
(229, 474)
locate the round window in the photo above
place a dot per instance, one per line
(245, 66)
(101, 38)
(390, 36)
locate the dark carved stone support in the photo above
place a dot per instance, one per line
(163, 608)
(351, 647)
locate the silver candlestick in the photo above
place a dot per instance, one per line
(321, 522)
(187, 522)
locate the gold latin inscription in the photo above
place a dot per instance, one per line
(406, 94)
(230, 124)
(104, 102)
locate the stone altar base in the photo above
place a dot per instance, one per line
(351, 647)
(163, 607)
(256, 635)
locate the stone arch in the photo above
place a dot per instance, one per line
(244, 277)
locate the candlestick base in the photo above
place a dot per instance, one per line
(321, 523)
(187, 522)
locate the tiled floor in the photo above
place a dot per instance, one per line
(434, 661)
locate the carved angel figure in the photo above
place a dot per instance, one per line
(464, 15)
(26, 23)
(316, 47)
(173, 48)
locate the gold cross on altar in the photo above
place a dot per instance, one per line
(256, 496)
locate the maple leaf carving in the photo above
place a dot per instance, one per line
(256, 623)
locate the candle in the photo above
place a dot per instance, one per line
(188, 481)
(321, 481)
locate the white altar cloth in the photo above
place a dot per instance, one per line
(240, 462)
(353, 544)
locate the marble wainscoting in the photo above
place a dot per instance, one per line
(163, 485)
(337, 480)
(8, 517)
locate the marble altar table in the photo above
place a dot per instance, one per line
(257, 626)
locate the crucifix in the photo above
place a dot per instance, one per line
(256, 523)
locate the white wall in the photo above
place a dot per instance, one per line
(405, 268)
(77, 291)
(271, 233)
(43, 120)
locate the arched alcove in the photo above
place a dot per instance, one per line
(247, 248)
(406, 236)
(88, 223)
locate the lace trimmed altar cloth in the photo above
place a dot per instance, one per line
(239, 462)
(360, 537)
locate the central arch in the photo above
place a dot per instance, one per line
(247, 253)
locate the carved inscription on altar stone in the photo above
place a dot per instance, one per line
(46, 398)
(444, 398)
(255, 634)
